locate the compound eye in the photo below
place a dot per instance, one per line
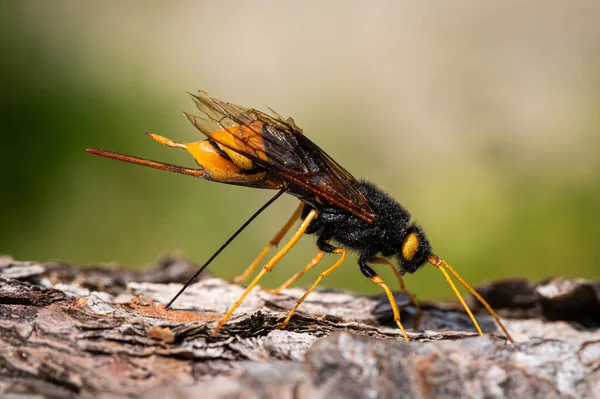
(418, 256)
(411, 248)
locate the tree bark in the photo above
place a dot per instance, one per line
(96, 332)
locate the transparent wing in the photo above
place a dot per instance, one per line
(280, 146)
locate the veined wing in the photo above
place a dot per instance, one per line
(280, 146)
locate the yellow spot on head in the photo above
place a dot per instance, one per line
(410, 246)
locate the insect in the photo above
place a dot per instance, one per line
(247, 147)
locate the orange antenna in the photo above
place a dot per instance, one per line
(439, 262)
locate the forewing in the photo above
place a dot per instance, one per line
(280, 146)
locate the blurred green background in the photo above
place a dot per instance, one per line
(482, 119)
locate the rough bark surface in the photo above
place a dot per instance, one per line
(67, 331)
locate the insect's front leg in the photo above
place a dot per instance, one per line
(376, 278)
(403, 288)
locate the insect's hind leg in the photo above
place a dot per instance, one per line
(268, 267)
(374, 277)
(273, 243)
(404, 289)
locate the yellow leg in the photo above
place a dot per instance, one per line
(342, 253)
(379, 281)
(403, 288)
(438, 262)
(273, 243)
(269, 266)
(313, 262)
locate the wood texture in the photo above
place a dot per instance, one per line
(67, 331)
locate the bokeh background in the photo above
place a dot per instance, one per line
(482, 119)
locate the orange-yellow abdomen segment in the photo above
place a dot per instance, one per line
(220, 168)
(246, 138)
(211, 160)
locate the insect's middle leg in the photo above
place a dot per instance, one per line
(269, 266)
(324, 247)
(313, 262)
(273, 243)
(374, 277)
(403, 288)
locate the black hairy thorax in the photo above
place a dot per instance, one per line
(383, 237)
